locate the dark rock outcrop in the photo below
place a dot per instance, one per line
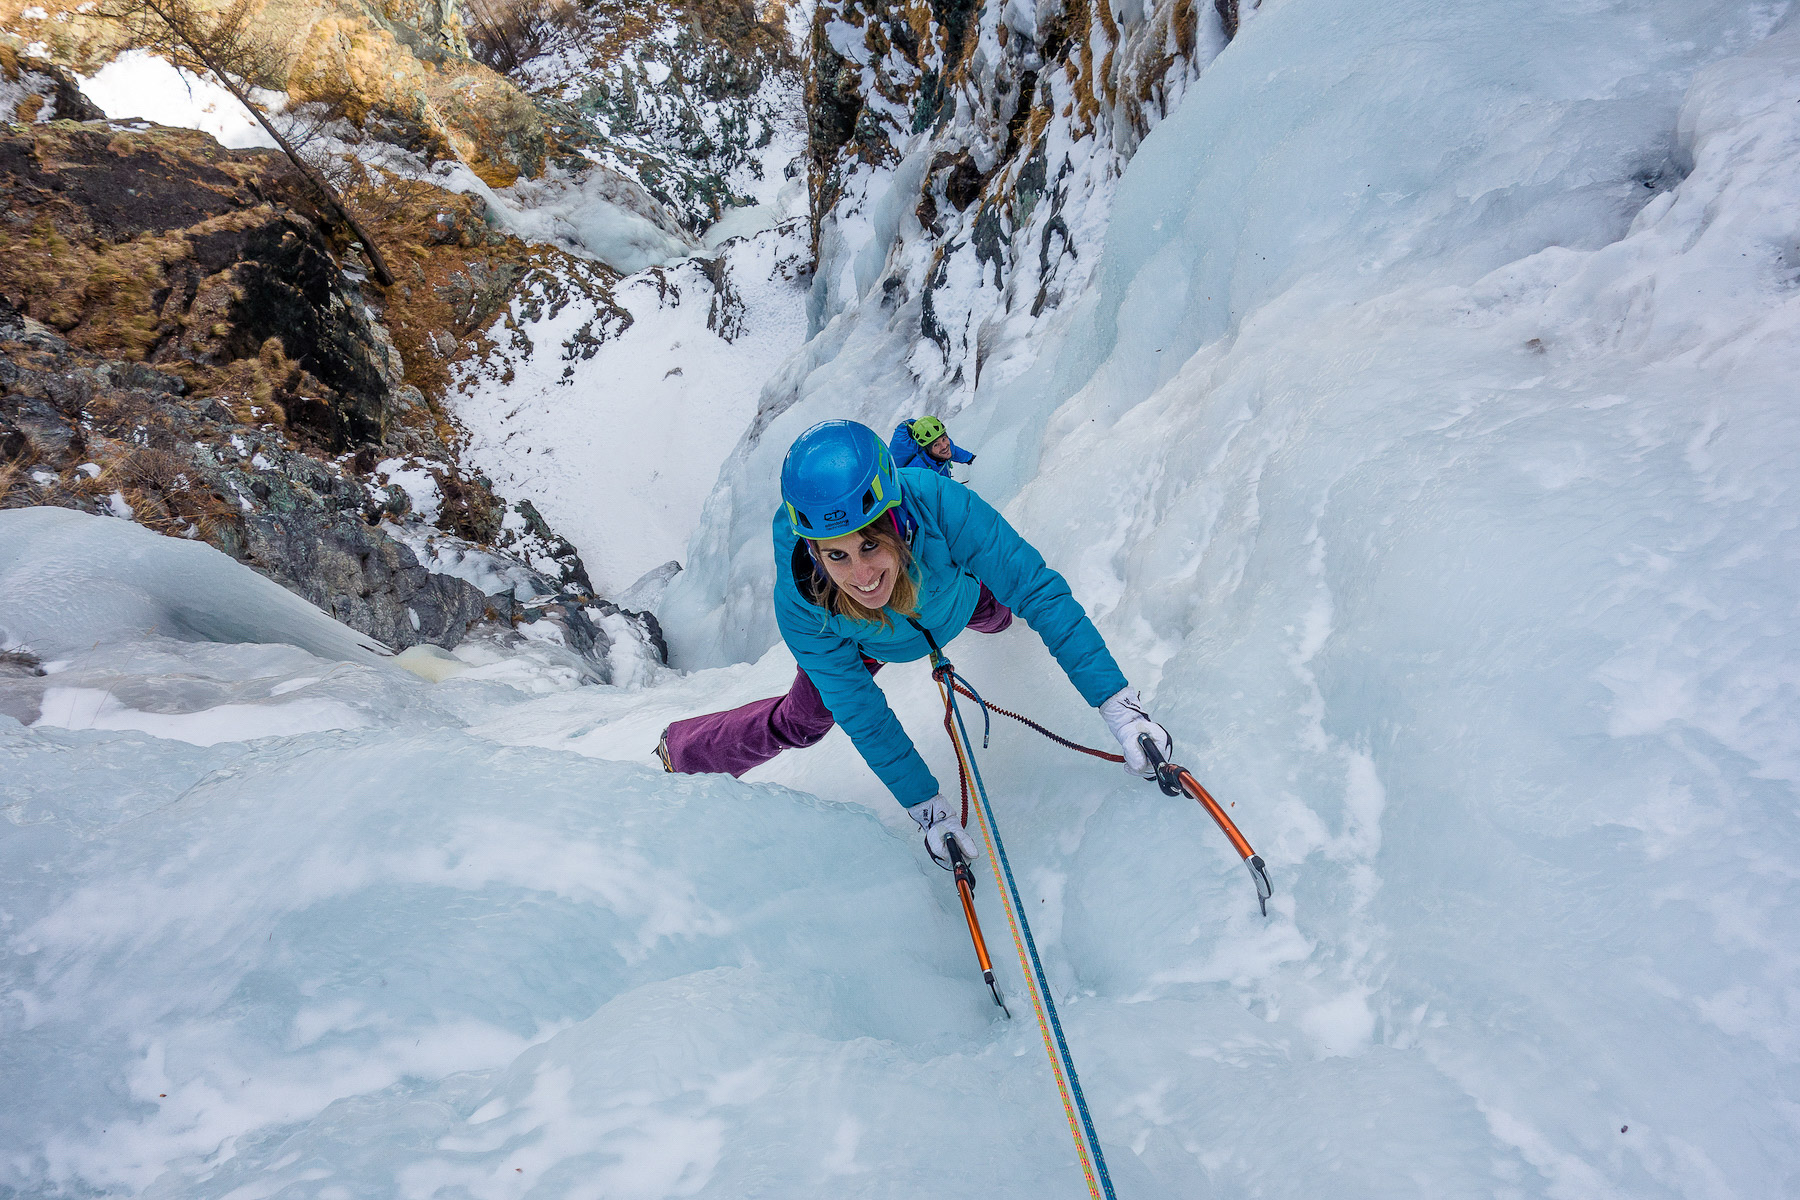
(158, 246)
(83, 432)
(364, 578)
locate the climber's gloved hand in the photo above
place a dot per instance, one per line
(939, 823)
(1125, 716)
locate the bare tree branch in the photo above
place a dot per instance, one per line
(225, 47)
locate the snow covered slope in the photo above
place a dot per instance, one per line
(611, 403)
(1423, 447)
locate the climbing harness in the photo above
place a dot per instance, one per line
(1056, 1046)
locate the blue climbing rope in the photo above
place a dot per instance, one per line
(1042, 987)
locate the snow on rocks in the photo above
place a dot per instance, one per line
(446, 554)
(416, 482)
(609, 404)
(36, 91)
(143, 85)
(707, 112)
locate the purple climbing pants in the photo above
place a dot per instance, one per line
(740, 738)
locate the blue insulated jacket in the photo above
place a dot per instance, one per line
(960, 539)
(908, 453)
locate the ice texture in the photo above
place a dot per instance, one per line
(1452, 532)
(69, 580)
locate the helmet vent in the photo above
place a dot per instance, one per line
(868, 501)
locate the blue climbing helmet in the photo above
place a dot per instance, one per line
(837, 477)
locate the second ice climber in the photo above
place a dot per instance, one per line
(876, 564)
(926, 443)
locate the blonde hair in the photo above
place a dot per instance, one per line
(905, 597)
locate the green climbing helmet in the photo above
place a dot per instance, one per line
(927, 430)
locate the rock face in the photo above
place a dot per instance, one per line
(181, 340)
(1010, 124)
(374, 62)
(681, 95)
(159, 247)
(402, 64)
(33, 91)
(179, 345)
(80, 431)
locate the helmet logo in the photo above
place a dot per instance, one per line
(836, 514)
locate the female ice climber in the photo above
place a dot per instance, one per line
(876, 564)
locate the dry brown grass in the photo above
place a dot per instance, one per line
(14, 481)
(164, 489)
(451, 274)
(110, 295)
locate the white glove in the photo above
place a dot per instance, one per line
(1125, 716)
(938, 824)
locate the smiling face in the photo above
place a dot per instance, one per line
(940, 449)
(862, 567)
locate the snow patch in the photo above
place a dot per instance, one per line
(616, 431)
(90, 708)
(140, 84)
(423, 495)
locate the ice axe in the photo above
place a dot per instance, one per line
(965, 887)
(1175, 780)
